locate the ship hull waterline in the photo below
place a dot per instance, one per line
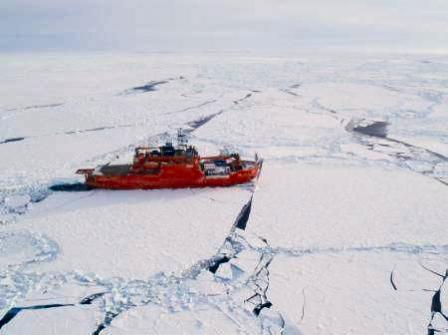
(171, 179)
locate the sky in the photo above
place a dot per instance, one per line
(222, 25)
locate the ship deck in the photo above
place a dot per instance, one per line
(115, 170)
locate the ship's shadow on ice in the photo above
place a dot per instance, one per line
(70, 187)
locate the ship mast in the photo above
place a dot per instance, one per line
(182, 139)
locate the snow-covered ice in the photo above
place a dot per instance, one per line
(132, 233)
(344, 232)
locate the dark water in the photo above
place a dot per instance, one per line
(12, 139)
(149, 87)
(376, 129)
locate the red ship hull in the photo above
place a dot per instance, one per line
(174, 176)
(173, 167)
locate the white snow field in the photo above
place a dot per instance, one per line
(343, 233)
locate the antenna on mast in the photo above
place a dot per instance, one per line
(182, 139)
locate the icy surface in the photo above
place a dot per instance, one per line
(329, 207)
(135, 234)
(344, 232)
(63, 320)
